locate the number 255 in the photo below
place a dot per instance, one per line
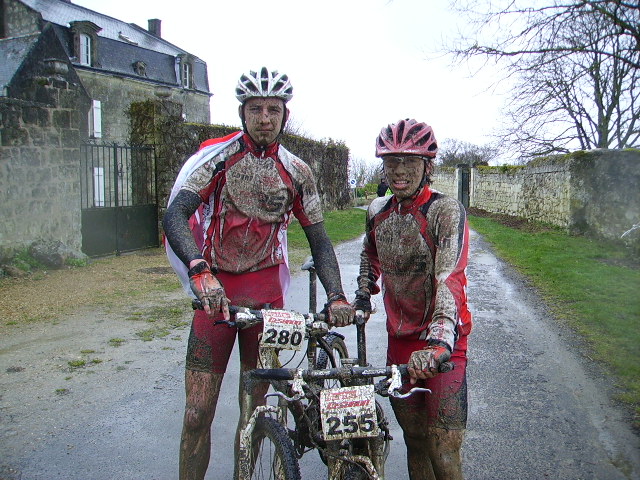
(350, 424)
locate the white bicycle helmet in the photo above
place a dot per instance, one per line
(264, 84)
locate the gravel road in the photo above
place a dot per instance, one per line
(538, 408)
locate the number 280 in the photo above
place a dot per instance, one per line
(283, 337)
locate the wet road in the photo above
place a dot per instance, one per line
(537, 409)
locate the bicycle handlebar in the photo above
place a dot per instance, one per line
(248, 317)
(345, 372)
(389, 386)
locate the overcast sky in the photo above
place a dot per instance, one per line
(355, 65)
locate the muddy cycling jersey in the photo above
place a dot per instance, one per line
(248, 196)
(421, 253)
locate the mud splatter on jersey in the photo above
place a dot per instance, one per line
(420, 254)
(249, 195)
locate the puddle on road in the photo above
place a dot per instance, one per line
(483, 258)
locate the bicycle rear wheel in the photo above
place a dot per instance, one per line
(332, 358)
(273, 454)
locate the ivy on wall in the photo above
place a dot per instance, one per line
(160, 123)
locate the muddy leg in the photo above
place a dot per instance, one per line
(444, 451)
(202, 390)
(414, 428)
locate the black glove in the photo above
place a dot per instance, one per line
(362, 301)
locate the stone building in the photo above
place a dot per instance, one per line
(67, 77)
(117, 62)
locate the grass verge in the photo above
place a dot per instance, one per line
(112, 282)
(341, 225)
(590, 285)
(124, 281)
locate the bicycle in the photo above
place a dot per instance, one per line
(332, 410)
(342, 420)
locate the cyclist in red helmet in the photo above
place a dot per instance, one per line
(226, 229)
(417, 242)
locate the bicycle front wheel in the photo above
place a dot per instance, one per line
(355, 472)
(273, 454)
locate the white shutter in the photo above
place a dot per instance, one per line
(95, 122)
(98, 186)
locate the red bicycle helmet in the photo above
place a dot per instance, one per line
(407, 137)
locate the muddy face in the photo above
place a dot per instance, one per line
(404, 174)
(264, 118)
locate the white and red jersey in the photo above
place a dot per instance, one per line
(248, 197)
(420, 251)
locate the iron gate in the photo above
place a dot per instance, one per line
(464, 180)
(119, 199)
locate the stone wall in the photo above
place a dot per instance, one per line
(605, 193)
(39, 158)
(445, 180)
(24, 20)
(594, 193)
(40, 134)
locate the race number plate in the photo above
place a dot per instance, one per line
(348, 412)
(282, 329)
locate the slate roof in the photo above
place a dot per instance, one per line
(13, 51)
(63, 13)
(121, 43)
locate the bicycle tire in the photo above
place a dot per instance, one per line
(338, 352)
(354, 472)
(275, 458)
(361, 446)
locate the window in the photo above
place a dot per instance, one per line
(184, 70)
(140, 68)
(98, 186)
(85, 43)
(95, 119)
(84, 55)
(186, 74)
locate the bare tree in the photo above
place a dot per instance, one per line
(623, 18)
(364, 172)
(452, 152)
(295, 127)
(575, 66)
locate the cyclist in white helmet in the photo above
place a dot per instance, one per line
(244, 189)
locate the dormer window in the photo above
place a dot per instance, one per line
(85, 42)
(186, 70)
(186, 75)
(140, 68)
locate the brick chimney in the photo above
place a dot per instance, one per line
(154, 27)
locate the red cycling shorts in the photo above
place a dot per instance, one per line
(446, 405)
(210, 345)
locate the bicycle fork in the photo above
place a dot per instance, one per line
(249, 413)
(372, 462)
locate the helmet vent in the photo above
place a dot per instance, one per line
(264, 84)
(407, 137)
